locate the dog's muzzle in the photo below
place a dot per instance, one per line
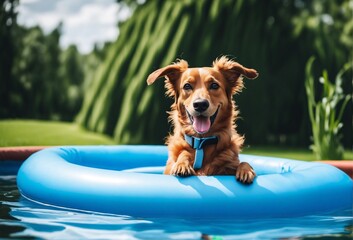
(200, 123)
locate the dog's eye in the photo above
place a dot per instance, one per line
(214, 86)
(187, 86)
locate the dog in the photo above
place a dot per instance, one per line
(204, 139)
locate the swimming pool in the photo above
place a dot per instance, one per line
(20, 218)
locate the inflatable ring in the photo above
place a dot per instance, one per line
(128, 180)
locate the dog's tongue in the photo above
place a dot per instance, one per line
(202, 124)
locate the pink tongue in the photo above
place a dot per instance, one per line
(201, 124)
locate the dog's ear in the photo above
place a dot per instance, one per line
(172, 73)
(233, 72)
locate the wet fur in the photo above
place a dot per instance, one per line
(221, 158)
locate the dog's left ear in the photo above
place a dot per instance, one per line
(233, 72)
(172, 73)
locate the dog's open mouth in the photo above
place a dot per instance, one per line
(202, 124)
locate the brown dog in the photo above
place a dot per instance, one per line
(204, 140)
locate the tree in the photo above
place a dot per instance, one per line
(72, 75)
(38, 87)
(8, 24)
(31, 90)
(54, 84)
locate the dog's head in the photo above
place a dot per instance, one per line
(203, 96)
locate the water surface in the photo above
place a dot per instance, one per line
(20, 218)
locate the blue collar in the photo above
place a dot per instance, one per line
(198, 144)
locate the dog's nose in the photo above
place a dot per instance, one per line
(200, 105)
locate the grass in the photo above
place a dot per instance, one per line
(282, 152)
(47, 133)
(50, 133)
(288, 152)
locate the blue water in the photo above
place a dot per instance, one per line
(20, 218)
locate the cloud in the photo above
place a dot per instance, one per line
(85, 22)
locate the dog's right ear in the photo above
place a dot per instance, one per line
(172, 74)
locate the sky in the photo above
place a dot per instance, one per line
(85, 22)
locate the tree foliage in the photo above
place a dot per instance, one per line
(37, 78)
(275, 37)
(8, 16)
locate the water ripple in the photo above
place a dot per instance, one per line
(20, 218)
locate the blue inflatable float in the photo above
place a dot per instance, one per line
(129, 180)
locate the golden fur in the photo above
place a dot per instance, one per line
(216, 85)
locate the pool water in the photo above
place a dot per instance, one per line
(20, 218)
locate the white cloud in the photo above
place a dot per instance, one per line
(85, 22)
(92, 23)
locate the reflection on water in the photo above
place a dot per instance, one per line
(20, 218)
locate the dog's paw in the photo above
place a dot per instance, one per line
(245, 173)
(182, 169)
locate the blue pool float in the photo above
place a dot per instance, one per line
(129, 180)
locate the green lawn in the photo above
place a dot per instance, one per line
(288, 152)
(50, 133)
(283, 152)
(47, 133)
